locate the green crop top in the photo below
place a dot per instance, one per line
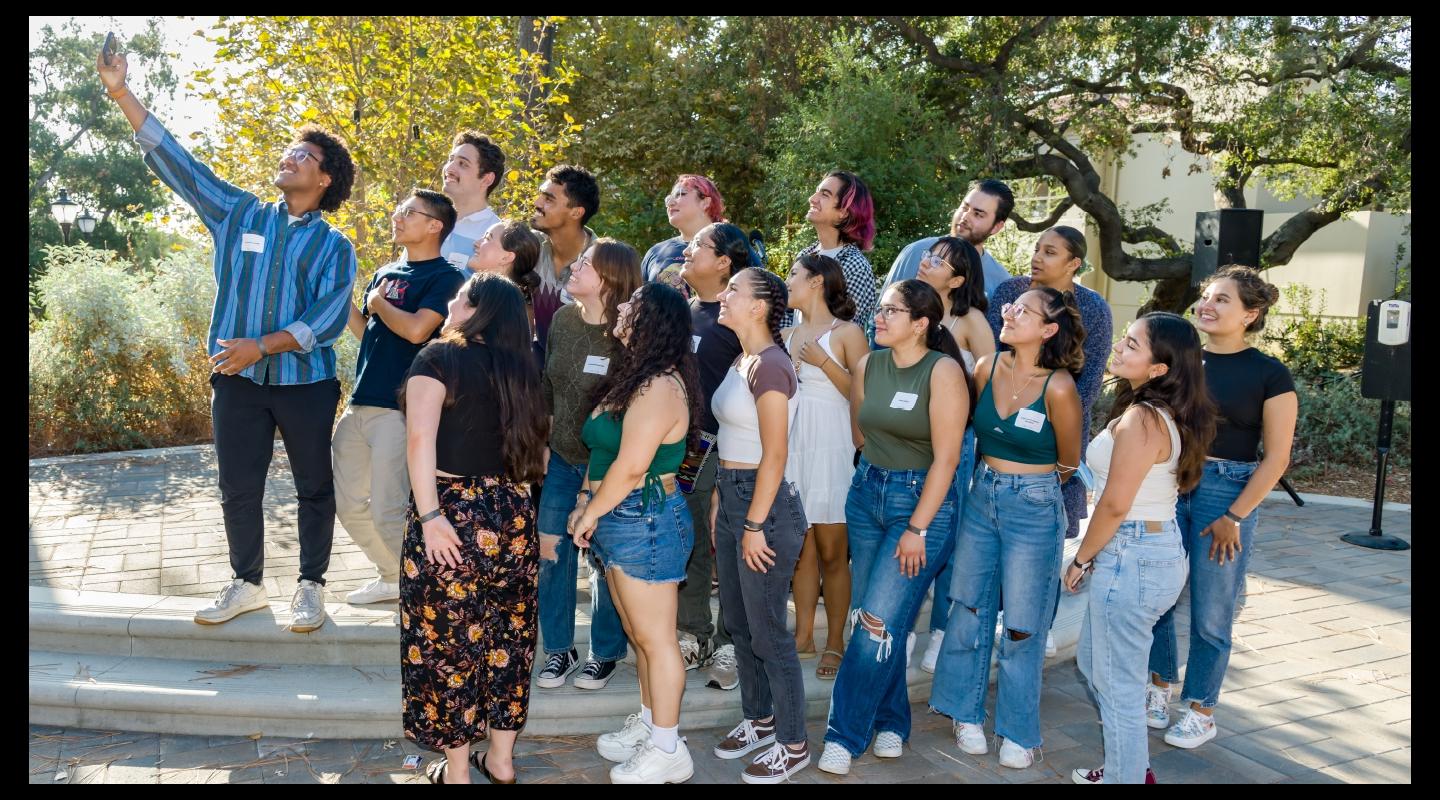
(1006, 438)
(602, 434)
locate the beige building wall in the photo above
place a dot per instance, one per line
(1351, 261)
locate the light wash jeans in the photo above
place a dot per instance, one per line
(1137, 578)
(1011, 541)
(870, 693)
(557, 578)
(1214, 589)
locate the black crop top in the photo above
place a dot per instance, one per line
(468, 441)
(1240, 383)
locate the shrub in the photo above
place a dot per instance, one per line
(118, 361)
(1337, 427)
(1314, 347)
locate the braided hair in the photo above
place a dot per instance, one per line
(767, 286)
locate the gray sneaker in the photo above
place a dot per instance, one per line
(307, 607)
(694, 652)
(724, 672)
(237, 597)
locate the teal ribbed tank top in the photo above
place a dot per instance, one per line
(1002, 438)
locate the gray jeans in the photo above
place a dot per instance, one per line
(694, 612)
(755, 603)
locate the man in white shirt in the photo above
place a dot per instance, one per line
(475, 168)
(981, 214)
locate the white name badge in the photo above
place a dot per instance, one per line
(1030, 420)
(252, 243)
(694, 344)
(458, 259)
(597, 365)
(905, 401)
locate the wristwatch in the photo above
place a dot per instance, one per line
(1082, 567)
(754, 527)
(1231, 516)
(917, 531)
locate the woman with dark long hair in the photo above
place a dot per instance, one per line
(645, 415)
(580, 355)
(476, 430)
(1027, 430)
(909, 404)
(1256, 398)
(826, 346)
(1152, 449)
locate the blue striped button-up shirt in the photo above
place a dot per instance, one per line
(271, 273)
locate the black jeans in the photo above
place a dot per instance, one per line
(755, 604)
(245, 415)
(694, 610)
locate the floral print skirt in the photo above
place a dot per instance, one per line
(467, 633)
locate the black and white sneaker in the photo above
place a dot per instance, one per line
(595, 674)
(557, 668)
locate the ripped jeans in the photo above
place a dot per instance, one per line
(1011, 540)
(870, 693)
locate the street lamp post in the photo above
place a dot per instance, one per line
(86, 222)
(64, 209)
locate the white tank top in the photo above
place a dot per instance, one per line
(1156, 497)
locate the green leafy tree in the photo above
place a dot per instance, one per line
(79, 141)
(397, 89)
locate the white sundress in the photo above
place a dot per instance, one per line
(822, 453)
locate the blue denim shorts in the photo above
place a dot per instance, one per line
(648, 543)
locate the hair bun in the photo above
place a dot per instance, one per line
(757, 244)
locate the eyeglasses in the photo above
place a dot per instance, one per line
(1017, 310)
(890, 311)
(698, 245)
(299, 154)
(677, 194)
(934, 259)
(403, 212)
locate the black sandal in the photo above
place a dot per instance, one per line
(435, 770)
(479, 761)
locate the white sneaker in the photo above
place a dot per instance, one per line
(622, 744)
(1016, 757)
(376, 591)
(970, 738)
(888, 744)
(835, 760)
(307, 607)
(909, 648)
(932, 651)
(1156, 714)
(650, 764)
(237, 597)
(1049, 644)
(1193, 730)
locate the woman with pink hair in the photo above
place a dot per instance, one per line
(693, 203)
(844, 219)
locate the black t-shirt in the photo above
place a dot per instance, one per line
(1240, 383)
(385, 356)
(715, 347)
(468, 441)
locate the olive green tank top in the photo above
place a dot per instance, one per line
(895, 415)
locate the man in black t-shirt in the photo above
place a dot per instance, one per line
(403, 308)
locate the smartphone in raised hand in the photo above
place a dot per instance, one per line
(109, 49)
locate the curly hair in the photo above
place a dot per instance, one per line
(336, 162)
(1181, 391)
(1255, 293)
(964, 262)
(492, 158)
(580, 188)
(854, 199)
(1066, 349)
(769, 289)
(500, 325)
(832, 275)
(660, 331)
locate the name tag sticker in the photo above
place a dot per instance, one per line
(252, 243)
(905, 401)
(694, 344)
(1030, 420)
(458, 259)
(597, 365)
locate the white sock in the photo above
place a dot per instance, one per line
(667, 739)
(646, 717)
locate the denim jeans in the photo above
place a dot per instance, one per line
(1011, 541)
(940, 605)
(1214, 589)
(693, 615)
(557, 578)
(756, 603)
(1137, 578)
(870, 693)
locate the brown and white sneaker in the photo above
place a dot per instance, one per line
(747, 737)
(776, 764)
